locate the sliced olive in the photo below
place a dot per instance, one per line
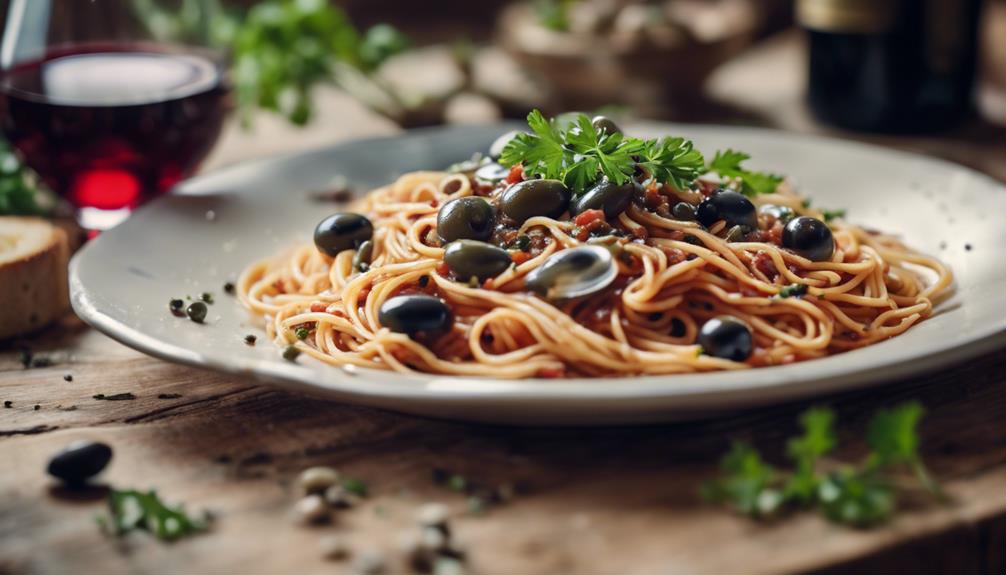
(727, 205)
(809, 237)
(496, 149)
(361, 260)
(467, 218)
(342, 231)
(415, 314)
(605, 195)
(470, 258)
(781, 213)
(726, 337)
(491, 173)
(683, 211)
(606, 125)
(574, 272)
(532, 198)
(80, 461)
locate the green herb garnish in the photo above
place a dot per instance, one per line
(580, 155)
(302, 332)
(832, 214)
(727, 163)
(553, 14)
(19, 193)
(856, 495)
(793, 290)
(355, 486)
(131, 510)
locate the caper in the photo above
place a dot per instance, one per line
(361, 260)
(496, 149)
(532, 198)
(605, 195)
(606, 125)
(342, 231)
(492, 173)
(573, 272)
(809, 237)
(197, 311)
(471, 258)
(726, 337)
(467, 218)
(416, 314)
(79, 461)
(727, 205)
(683, 211)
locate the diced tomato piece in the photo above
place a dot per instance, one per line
(588, 216)
(551, 373)
(434, 203)
(318, 307)
(519, 257)
(443, 269)
(516, 174)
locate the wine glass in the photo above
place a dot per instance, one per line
(111, 102)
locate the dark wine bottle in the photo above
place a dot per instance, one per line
(891, 65)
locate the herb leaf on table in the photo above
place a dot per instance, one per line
(131, 510)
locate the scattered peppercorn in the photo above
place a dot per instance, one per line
(290, 353)
(68, 377)
(206, 297)
(250, 339)
(196, 311)
(8, 404)
(229, 288)
(37, 407)
(177, 307)
(967, 247)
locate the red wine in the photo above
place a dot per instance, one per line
(110, 128)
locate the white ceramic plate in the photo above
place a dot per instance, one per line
(121, 282)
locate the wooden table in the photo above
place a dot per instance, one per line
(597, 501)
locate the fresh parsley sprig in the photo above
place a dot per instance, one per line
(132, 510)
(856, 495)
(727, 163)
(580, 155)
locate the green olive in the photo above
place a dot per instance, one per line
(532, 198)
(605, 195)
(470, 258)
(467, 218)
(606, 125)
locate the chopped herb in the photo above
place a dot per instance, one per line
(302, 332)
(727, 164)
(793, 290)
(115, 396)
(580, 155)
(830, 215)
(250, 339)
(177, 307)
(858, 496)
(806, 203)
(168, 395)
(457, 483)
(355, 486)
(553, 14)
(131, 510)
(206, 297)
(68, 377)
(290, 353)
(196, 311)
(522, 243)
(229, 288)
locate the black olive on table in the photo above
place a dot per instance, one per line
(80, 461)
(727, 205)
(606, 125)
(467, 218)
(496, 149)
(726, 337)
(532, 198)
(605, 195)
(810, 238)
(415, 314)
(342, 231)
(471, 258)
(492, 173)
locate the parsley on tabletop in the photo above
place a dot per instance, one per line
(20, 194)
(855, 495)
(131, 510)
(727, 164)
(580, 155)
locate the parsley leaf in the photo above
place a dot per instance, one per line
(132, 510)
(818, 439)
(855, 498)
(793, 290)
(580, 155)
(832, 214)
(727, 163)
(746, 483)
(19, 195)
(893, 440)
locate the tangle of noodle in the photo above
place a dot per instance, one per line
(873, 288)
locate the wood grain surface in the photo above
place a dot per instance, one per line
(590, 501)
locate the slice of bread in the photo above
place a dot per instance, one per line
(33, 274)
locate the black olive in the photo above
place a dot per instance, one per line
(467, 218)
(80, 461)
(470, 258)
(683, 211)
(809, 237)
(342, 231)
(606, 125)
(496, 149)
(491, 173)
(605, 195)
(726, 337)
(415, 314)
(532, 198)
(197, 311)
(727, 205)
